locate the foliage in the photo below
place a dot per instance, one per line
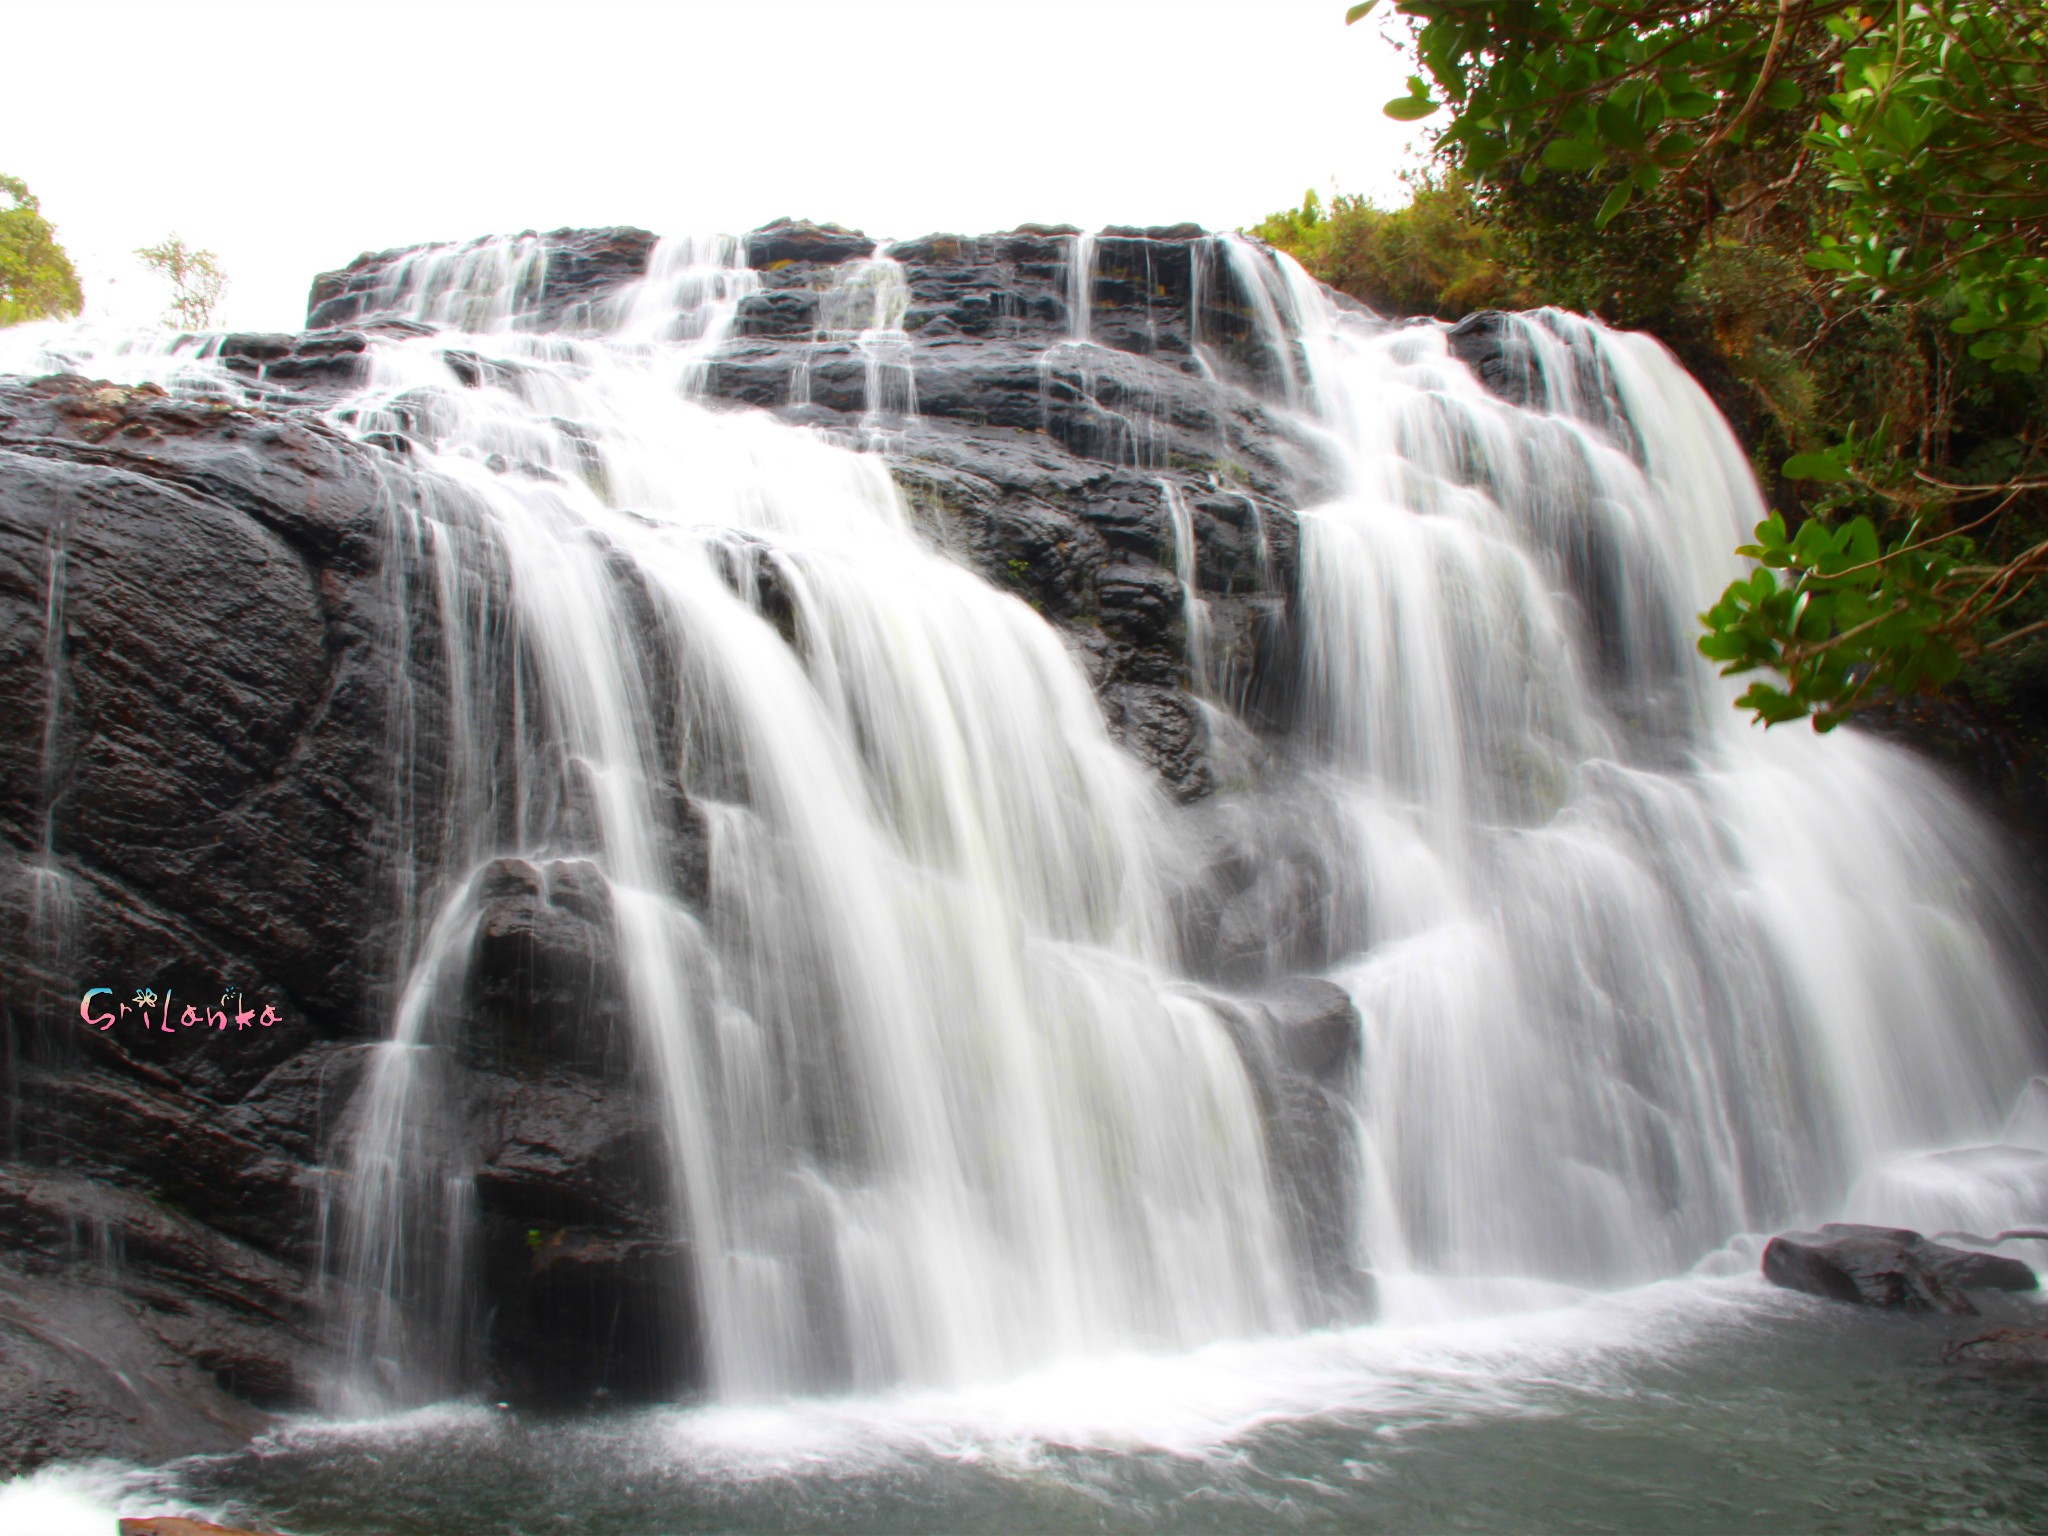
(37, 280)
(196, 279)
(1845, 208)
(1431, 257)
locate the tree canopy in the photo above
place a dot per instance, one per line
(1853, 198)
(37, 280)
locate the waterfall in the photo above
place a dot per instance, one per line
(894, 921)
(1635, 974)
(935, 1105)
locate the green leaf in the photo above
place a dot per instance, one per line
(1814, 466)
(1675, 148)
(1720, 647)
(1572, 155)
(1617, 126)
(1617, 199)
(1772, 705)
(1360, 11)
(1407, 109)
(1484, 151)
(1783, 94)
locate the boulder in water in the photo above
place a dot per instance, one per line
(1888, 1267)
(543, 980)
(1316, 1027)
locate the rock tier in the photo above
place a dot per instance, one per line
(200, 633)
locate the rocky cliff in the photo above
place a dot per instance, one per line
(217, 737)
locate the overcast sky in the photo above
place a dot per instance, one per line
(289, 135)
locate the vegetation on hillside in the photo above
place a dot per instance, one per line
(37, 280)
(1837, 215)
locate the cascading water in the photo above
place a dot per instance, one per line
(935, 1108)
(1635, 975)
(864, 309)
(936, 1105)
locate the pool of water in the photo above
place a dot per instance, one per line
(1697, 1405)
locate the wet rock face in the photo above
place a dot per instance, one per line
(1316, 1026)
(1888, 1267)
(1047, 463)
(129, 1329)
(218, 695)
(1277, 891)
(189, 802)
(1044, 462)
(583, 267)
(585, 1291)
(210, 756)
(545, 986)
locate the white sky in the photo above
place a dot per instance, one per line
(288, 136)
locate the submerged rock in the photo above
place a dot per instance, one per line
(1317, 1027)
(2003, 1352)
(1888, 1267)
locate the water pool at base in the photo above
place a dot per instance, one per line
(1689, 1406)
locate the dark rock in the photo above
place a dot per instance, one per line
(1313, 1150)
(585, 1295)
(133, 1330)
(565, 1151)
(1887, 1267)
(784, 241)
(1483, 343)
(1163, 728)
(582, 1317)
(544, 987)
(584, 267)
(1985, 1271)
(777, 312)
(85, 1371)
(1277, 892)
(212, 801)
(1495, 346)
(1316, 1027)
(222, 732)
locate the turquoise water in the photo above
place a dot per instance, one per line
(1692, 1406)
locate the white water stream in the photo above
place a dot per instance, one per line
(937, 1107)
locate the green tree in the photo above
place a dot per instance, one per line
(37, 280)
(1434, 256)
(1860, 193)
(196, 280)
